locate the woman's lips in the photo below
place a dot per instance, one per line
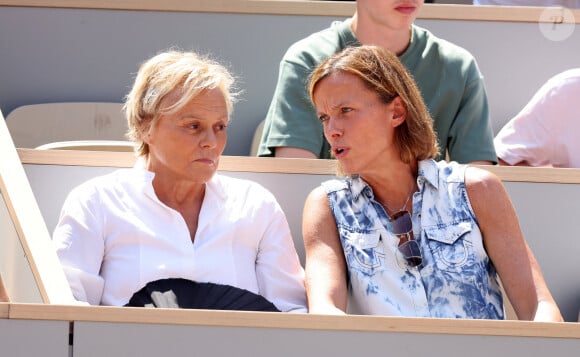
(206, 161)
(340, 152)
(406, 9)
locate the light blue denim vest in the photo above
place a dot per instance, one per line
(456, 278)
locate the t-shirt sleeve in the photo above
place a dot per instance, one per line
(526, 138)
(291, 119)
(471, 134)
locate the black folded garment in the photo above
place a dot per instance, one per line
(187, 294)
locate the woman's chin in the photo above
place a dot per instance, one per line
(346, 170)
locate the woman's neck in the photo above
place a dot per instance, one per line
(184, 197)
(393, 185)
(178, 194)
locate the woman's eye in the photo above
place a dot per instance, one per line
(323, 118)
(346, 109)
(194, 126)
(222, 127)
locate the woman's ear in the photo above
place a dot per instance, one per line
(399, 111)
(146, 131)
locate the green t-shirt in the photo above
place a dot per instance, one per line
(446, 74)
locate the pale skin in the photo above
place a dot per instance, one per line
(385, 23)
(521, 163)
(185, 148)
(354, 119)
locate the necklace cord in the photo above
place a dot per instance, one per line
(400, 209)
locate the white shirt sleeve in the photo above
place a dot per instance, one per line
(538, 134)
(278, 270)
(525, 138)
(79, 245)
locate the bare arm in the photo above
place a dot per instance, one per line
(481, 162)
(325, 265)
(504, 163)
(504, 242)
(292, 152)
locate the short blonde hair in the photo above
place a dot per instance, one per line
(382, 72)
(163, 74)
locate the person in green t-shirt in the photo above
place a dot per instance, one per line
(447, 75)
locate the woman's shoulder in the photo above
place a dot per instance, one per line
(333, 185)
(126, 177)
(446, 51)
(483, 185)
(313, 49)
(234, 186)
(241, 194)
(479, 178)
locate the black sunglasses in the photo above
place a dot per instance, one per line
(408, 246)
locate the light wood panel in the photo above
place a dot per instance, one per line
(26, 218)
(4, 310)
(293, 321)
(277, 165)
(4, 297)
(298, 7)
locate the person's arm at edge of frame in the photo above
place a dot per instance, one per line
(326, 286)
(501, 162)
(481, 163)
(293, 152)
(504, 242)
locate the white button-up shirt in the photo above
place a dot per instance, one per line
(114, 236)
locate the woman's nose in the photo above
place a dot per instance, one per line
(209, 139)
(332, 128)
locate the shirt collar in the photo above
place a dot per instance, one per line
(140, 162)
(428, 172)
(358, 187)
(147, 176)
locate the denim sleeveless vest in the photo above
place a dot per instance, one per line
(456, 278)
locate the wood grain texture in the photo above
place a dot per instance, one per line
(4, 297)
(296, 7)
(293, 321)
(29, 224)
(4, 310)
(276, 165)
